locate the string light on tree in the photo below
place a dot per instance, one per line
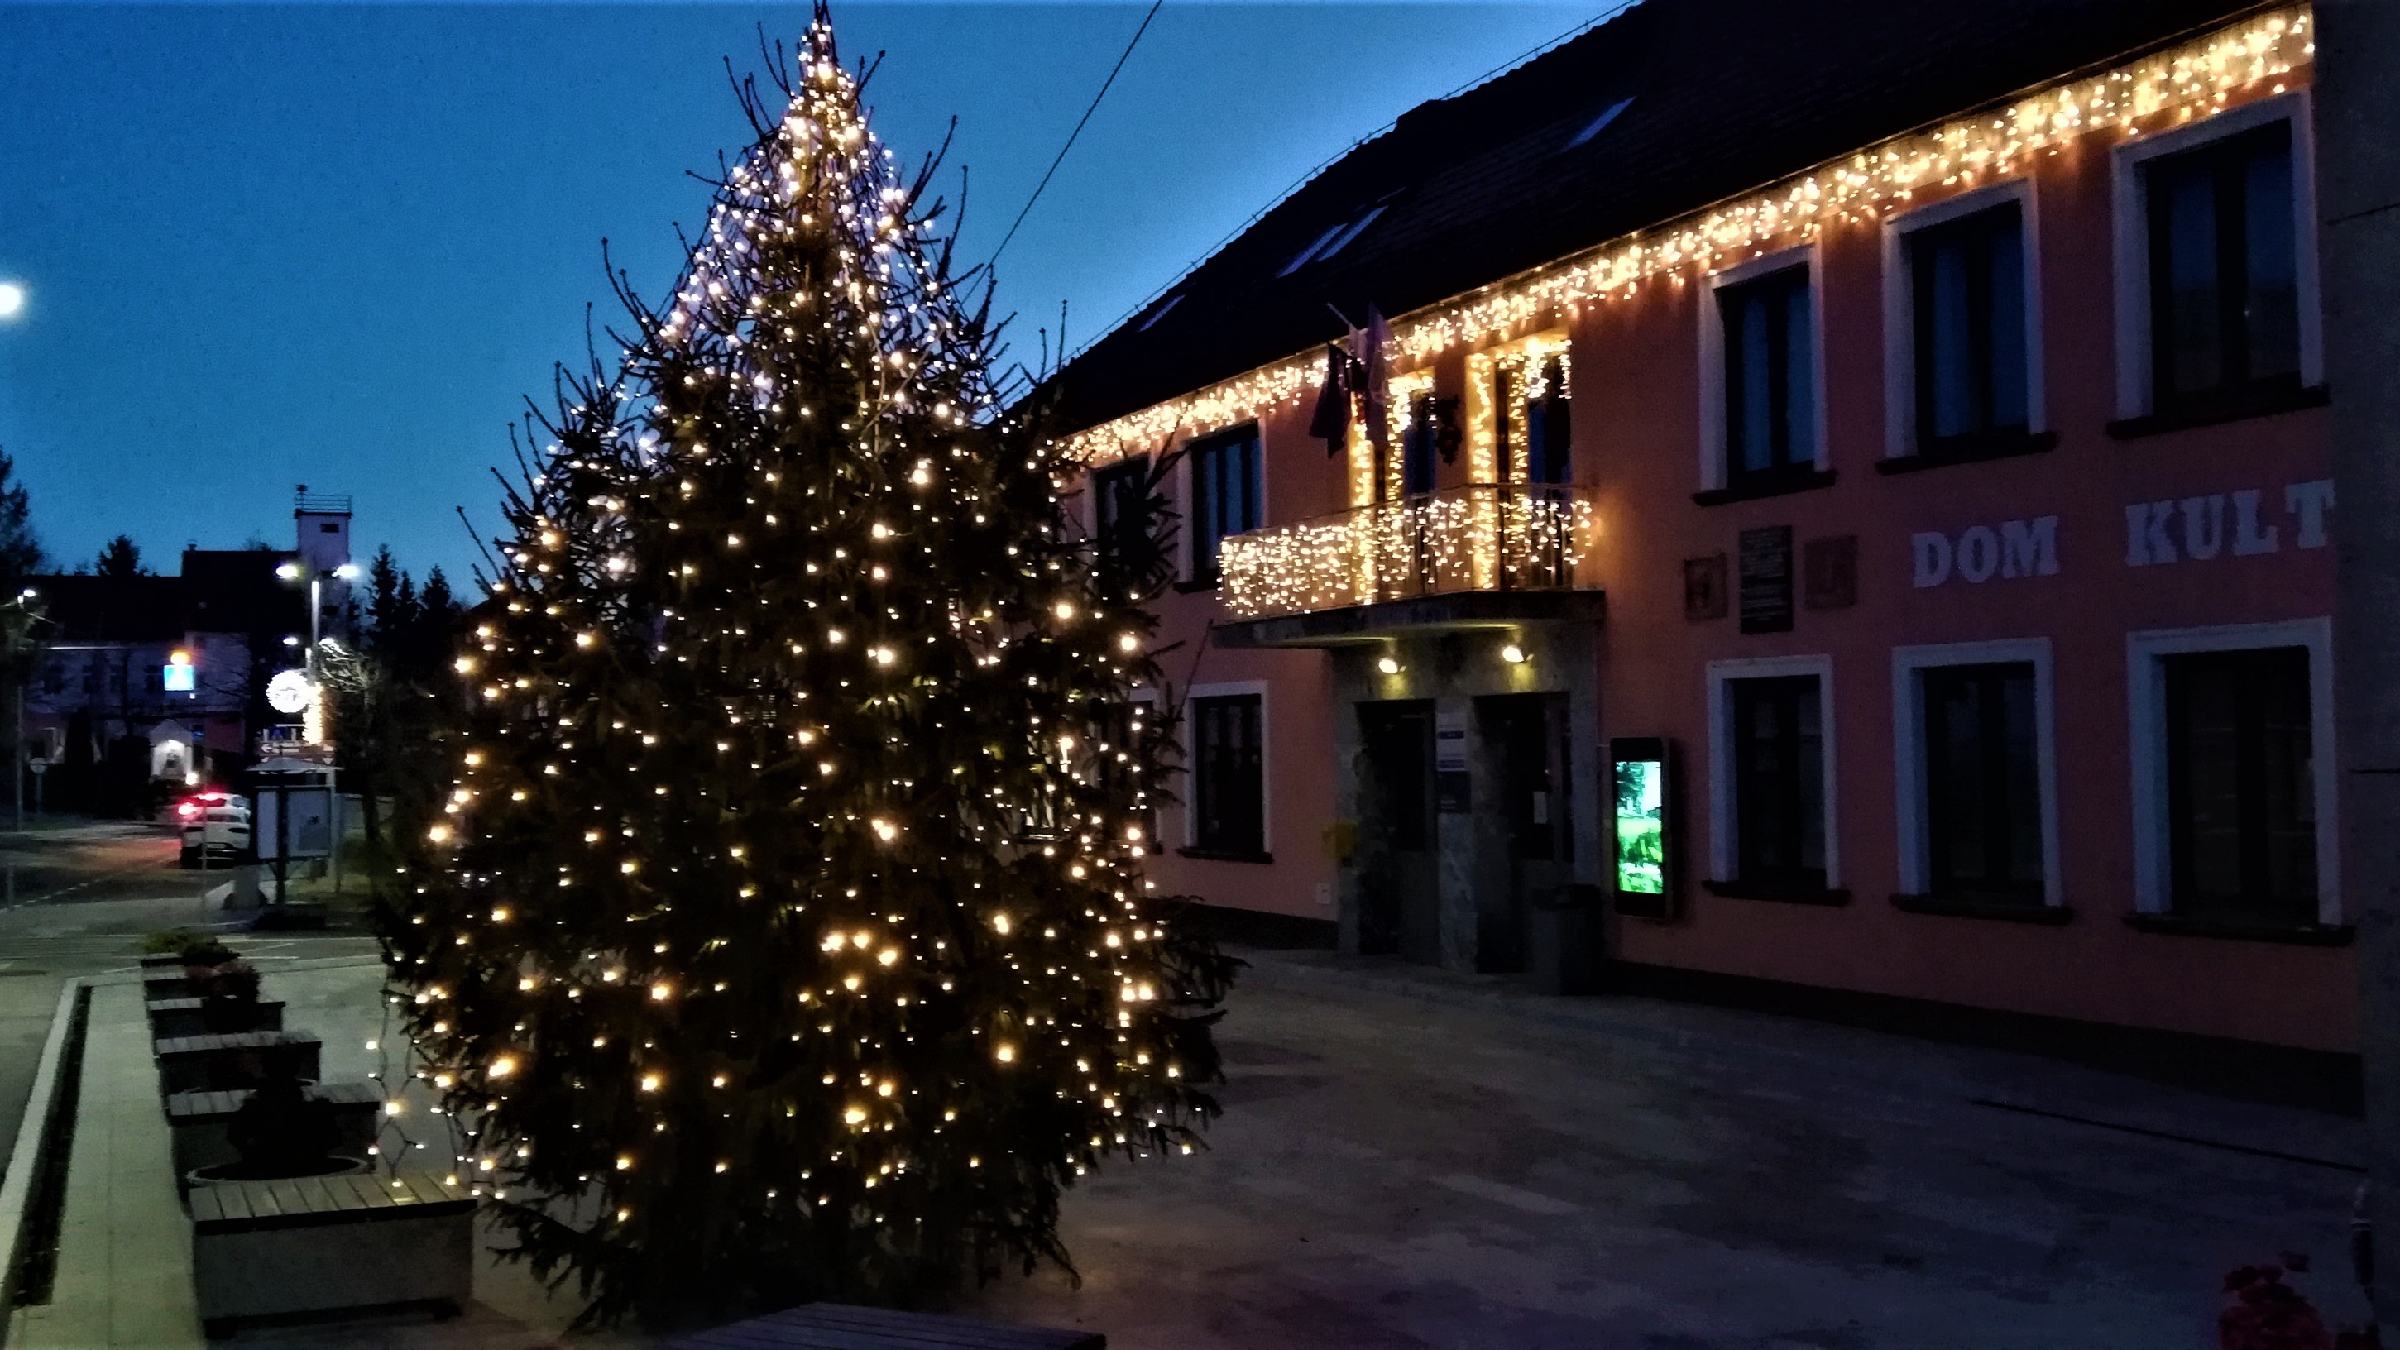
(793, 678)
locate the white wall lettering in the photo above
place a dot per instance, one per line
(2154, 530)
(1929, 554)
(2029, 548)
(2310, 501)
(2015, 548)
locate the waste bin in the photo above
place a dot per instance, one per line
(1567, 940)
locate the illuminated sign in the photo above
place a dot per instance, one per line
(1643, 834)
(179, 675)
(290, 692)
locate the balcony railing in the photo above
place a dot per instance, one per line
(1486, 537)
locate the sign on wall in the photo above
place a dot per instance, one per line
(1704, 588)
(1766, 565)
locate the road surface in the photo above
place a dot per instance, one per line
(77, 899)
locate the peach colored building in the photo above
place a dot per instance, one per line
(1845, 488)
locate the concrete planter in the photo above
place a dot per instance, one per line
(329, 1244)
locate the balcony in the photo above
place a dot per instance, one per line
(1486, 555)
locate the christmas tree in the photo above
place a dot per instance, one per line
(785, 934)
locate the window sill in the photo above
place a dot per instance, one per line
(1784, 894)
(2007, 911)
(2237, 930)
(1196, 584)
(1223, 855)
(1774, 484)
(2235, 405)
(1971, 451)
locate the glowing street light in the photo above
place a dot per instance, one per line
(12, 299)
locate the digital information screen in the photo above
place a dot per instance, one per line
(1644, 819)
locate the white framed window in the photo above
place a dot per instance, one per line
(1226, 770)
(2234, 805)
(1771, 801)
(1962, 322)
(1975, 771)
(1762, 371)
(2216, 259)
(1225, 494)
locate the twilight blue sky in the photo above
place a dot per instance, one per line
(337, 244)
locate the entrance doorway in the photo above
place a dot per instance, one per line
(1400, 899)
(1527, 841)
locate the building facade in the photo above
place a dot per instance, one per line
(1860, 504)
(151, 680)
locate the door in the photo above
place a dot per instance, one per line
(1399, 876)
(1527, 745)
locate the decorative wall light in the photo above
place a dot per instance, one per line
(1514, 654)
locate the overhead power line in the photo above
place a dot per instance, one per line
(1087, 116)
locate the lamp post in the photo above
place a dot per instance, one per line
(293, 571)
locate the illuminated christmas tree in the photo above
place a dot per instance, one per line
(786, 936)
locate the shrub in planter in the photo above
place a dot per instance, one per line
(2262, 1312)
(229, 997)
(202, 955)
(281, 1132)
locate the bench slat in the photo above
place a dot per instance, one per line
(831, 1326)
(847, 1314)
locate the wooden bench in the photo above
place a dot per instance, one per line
(172, 1018)
(165, 982)
(201, 1121)
(231, 1060)
(282, 1249)
(840, 1326)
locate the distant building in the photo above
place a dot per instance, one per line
(152, 680)
(1848, 483)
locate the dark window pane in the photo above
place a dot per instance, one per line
(1798, 374)
(1970, 325)
(2272, 259)
(1770, 373)
(1416, 447)
(1228, 790)
(2004, 256)
(2240, 785)
(1225, 493)
(1779, 785)
(1982, 784)
(2224, 265)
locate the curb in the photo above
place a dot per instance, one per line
(25, 1156)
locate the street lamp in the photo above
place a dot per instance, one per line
(293, 570)
(12, 299)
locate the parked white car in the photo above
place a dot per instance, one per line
(218, 832)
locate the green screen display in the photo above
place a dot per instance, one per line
(1641, 827)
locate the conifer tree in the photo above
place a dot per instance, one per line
(786, 935)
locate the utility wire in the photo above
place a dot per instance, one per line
(1087, 116)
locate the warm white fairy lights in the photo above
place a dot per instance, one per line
(2183, 83)
(810, 420)
(1480, 538)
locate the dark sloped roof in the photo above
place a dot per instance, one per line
(111, 609)
(1718, 96)
(220, 591)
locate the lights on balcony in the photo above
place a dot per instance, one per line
(1387, 664)
(1483, 538)
(2184, 83)
(1514, 654)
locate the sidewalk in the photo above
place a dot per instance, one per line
(1411, 1160)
